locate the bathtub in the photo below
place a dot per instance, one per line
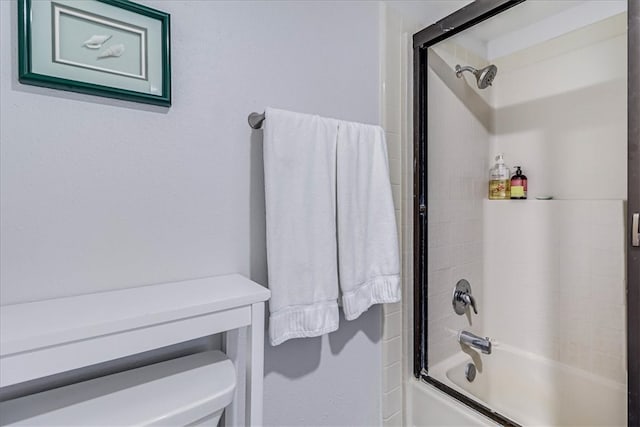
(535, 391)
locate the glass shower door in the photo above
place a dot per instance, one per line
(524, 299)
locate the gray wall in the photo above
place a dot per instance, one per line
(98, 194)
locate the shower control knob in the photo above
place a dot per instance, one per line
(469, 300)
(462, 298)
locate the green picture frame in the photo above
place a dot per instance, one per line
(111, 48)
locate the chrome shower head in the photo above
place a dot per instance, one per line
(484, 76)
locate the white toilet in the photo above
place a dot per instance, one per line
(191, 390)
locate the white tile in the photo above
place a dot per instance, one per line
(607, 263)
(439, 234)
(391, 351)
(395, 172)
(610, 341)
(440, 281)
(612, 317)
(394, 421)
(472, 272)
(466, 231)
(396, 193)
(606, 237)
(407, 311)
(392, 308)
(440, 258)
(466, 253)
(439, 305)
(398, 215)
(607, 290)
(407, 297)
(383, 97)
(607, 212)
(392, 326)
(609, 366)
(393, 114)
(392, 121)
(394, 145)
(391, 403)
(392, 377)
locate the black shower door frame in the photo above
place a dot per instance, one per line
(458, 21)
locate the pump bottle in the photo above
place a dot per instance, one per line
(499, 180)
(519, 185)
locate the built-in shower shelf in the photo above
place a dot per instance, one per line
(533, 200)
(516, 201)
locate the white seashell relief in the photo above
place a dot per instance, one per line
(95, 42)
(112, 52)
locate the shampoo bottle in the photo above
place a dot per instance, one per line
(499, 180)
(519, 185)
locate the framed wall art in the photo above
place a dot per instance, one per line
(113, 48)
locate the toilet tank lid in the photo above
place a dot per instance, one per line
(174, 392)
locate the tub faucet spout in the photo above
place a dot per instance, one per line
(472, 340)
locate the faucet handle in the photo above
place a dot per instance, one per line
(462, 298)
(470, 300)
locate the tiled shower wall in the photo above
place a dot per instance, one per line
(393, 122)
(456, 186)
(397, 119)
(555, 268)
(461, 238)
(565, 302)
(567, 128)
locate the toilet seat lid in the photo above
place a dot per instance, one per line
(175, 392)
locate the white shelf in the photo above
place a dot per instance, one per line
(43, 338)
(29, 326)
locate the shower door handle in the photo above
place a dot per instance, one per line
(635, 231)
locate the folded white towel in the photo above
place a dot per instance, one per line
(300, 185)
(368, 255)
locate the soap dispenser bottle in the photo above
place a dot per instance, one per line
(499, 180)
(518, 185)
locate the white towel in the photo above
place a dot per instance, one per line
(368, 255)
(300, 183)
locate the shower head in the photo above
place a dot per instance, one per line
(484, 76)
